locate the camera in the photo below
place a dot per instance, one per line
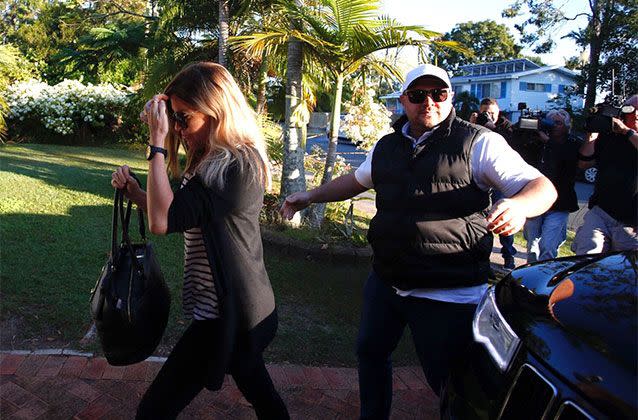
(533, 120)
(482, 118)
(600, 115)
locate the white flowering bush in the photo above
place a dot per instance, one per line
(64, 108)
(366, 121)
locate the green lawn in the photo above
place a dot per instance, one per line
(55, 208)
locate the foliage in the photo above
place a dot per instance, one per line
(273, 134)
(314, 164)
(611, 35)
(566, 99)
(535, 59)
(339, 38)
(13, 67)
(67, 109)
(113, 53)
(366, 120)
(486, 41)
(98, 41)
(620, 52)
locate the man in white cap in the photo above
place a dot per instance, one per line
(432, 234)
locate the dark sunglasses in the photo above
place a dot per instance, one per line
(417, 96)
(181, 118)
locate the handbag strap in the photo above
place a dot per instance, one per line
(125, 217)
(114, 233)
(140, 213)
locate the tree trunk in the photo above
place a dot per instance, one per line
(293, 176)
(223, 32)
(595, 47)
(261, 87)
(318, 210)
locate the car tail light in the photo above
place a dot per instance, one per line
(491, 330)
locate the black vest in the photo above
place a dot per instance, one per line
(430, 229)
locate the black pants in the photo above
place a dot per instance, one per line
(184, 375)
(441, 332)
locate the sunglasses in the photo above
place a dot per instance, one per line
(181, 118)
(417, 96)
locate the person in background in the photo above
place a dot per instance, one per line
(432, 233)
(490, 117)
(558, 162)
(612, 220)
(226, 293)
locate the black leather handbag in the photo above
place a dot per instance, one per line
(130, 302)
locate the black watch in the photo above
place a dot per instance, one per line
(630, 133)
(151, 150)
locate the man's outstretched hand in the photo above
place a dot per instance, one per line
(294, 203)
(506, 217)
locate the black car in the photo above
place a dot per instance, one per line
(553, 340)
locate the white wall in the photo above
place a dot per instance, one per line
(534, 100)
(538, 100)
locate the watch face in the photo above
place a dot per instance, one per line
(148, 152)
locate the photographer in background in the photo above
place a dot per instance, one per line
(557, 160)
(489, 117)
(610, 224)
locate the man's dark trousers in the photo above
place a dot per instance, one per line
(441, 332)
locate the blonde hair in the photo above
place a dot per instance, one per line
(234, 138)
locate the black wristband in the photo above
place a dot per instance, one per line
(585, 158)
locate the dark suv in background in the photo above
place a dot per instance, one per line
(553, 340)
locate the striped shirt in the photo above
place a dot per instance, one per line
(198, 295)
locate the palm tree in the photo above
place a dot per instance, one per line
(293, 174)
(341, 37)
(223, 31)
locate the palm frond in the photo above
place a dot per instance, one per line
(259, 44)
(349, 14)
(378, 65)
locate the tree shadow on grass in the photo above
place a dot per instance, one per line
(49, 265)
(70, 176)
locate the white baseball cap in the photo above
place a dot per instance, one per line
(426, 70)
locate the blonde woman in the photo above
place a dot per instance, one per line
(226, 291)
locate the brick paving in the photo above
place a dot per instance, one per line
(56, 386)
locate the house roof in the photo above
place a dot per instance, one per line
(511, 69)
(498, 70)
(497, 67)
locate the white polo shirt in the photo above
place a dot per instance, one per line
(495, 165)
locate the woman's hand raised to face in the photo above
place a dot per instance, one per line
(155, 115)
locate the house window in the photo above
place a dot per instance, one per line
(535, 87)
(503, 90)
(563, 88)
(488, 90)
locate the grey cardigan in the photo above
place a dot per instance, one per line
(229, 220)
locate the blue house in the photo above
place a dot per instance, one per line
(510, 83)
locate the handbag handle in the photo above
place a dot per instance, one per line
(140, 214)
(118, 210)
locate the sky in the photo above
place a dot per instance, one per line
(443, 15)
